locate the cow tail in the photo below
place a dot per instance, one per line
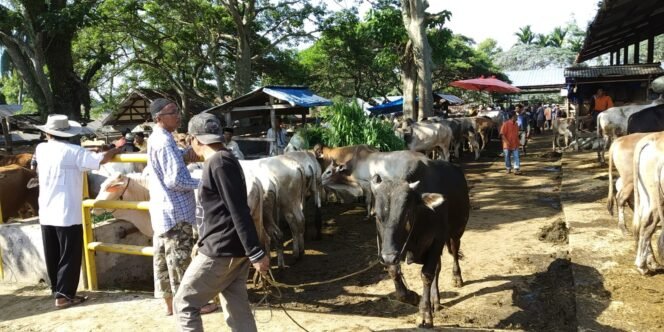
(660, 211)
(609, 200)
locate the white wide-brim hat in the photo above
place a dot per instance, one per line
(59, 125)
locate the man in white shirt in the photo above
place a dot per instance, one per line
(60, 166)
(232, 145)
(281, 141)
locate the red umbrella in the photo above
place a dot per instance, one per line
(491, 84)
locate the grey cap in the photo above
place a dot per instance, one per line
(206, 128)
(157, 105)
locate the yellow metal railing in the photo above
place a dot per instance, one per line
(89, 244)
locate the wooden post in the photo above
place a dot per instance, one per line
(651, 50)
(611, 58)
(617, 57)
(5, 132)
(273, 123)
(229, 120)
(626, 55)
(637, 50)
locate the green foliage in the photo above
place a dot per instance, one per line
(525, 35)
(102, 217)
(527, 57)
(347, 125)
(12, 88)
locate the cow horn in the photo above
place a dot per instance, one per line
(414, 185)
(376, 179)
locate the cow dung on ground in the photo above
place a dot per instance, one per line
(555, 233)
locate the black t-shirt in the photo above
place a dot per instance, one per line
(225, 225)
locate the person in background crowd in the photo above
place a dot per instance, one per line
(140, 142)
(278, 147)
(60, 167)
(547, 117)
(129, 146)
(231, 145)
(600, 103)
(540, 118)
(172, 202)
(523, 121)
(509, 134)
(228, 242)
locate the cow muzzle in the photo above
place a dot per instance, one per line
(390, 259)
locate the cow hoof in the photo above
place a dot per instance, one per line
(458, 282)
(425, 325)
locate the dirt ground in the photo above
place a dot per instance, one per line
(517, 270)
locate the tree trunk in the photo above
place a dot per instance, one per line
(409, 81)
(68, 90)
(242, 65)
(413, 14)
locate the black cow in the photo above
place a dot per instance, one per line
(649, 120)
(417, 217)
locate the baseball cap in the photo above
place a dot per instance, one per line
(206, 128)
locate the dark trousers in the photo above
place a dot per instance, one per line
(594, 114)
(63, 250)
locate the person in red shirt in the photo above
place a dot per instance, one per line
(509, 134)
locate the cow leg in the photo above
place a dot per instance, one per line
(403, 294)
(318, 222)
(622, 200)
(425, 301)
(295, 220)
(435, 295)
(454, 246)
(647, 227)
(483, 137)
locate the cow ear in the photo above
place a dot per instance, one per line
(432, 200)
(413, 185)
(33, 183)
(376, 179)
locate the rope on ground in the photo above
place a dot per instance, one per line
(272, 288)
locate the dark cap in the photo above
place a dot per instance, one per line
(157, 105)
(206, 128)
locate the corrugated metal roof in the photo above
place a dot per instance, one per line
(297, 96)
(452, 99)
(529, 79)
(9, 110)
(615, 71)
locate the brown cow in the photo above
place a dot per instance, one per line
(622, 153)
(341, 156)
(14, 191)
(484, 126)
(21, 159)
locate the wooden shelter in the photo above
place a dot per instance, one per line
(619, 29)
(262, 106)
(135, 108)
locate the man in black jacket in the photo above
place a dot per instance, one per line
(228, 241)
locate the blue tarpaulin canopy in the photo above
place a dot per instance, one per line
(297, 96)
(394, 106)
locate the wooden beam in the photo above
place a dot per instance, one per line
(637, 50)
(651, 50)
(263, 107)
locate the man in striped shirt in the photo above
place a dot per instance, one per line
(172, 202)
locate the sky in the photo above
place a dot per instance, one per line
(500, 19)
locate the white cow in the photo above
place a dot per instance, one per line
(648, 165)
(612, 123)
(565, 127)
(128, 187)
(284, 182)
(426, 137)
(312, 170)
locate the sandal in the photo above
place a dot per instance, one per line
(70, 302)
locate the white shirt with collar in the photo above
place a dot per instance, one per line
(60, 166)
